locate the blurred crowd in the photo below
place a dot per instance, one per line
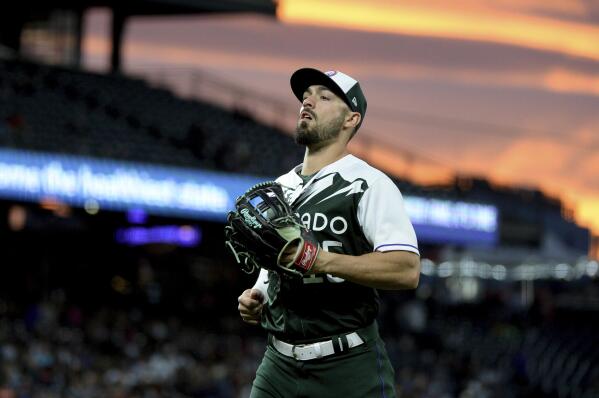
(83, 317)
(55, 348)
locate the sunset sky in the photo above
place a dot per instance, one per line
(504, 89)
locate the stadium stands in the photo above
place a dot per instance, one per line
(111, 116)
(139, 344)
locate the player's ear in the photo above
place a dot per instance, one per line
(352, 119)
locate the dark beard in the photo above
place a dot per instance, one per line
(306, 135)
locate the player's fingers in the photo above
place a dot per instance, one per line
(288, 254)
(249, 303)
(250, 311)
(251, 321)
(250, 317)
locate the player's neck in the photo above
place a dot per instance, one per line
(316, 157)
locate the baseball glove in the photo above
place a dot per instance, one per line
(261, 229)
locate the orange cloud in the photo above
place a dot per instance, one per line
(587, 211)
(533, 162)
(554, 79)
(400, 164)
(449, 21)
(140, 54)
(562, 7)
(561, 171)
(568, 81)
(533, 159)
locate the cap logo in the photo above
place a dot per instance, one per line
(330, 73)
(354, 101)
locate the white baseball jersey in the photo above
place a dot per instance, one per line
(352, 208)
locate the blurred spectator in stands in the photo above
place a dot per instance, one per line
(5, 390)
(544, 307)
(5, 134)
(412, 315)
(17, 126)
(7, 393)
(233, 156)
(76, 125)
(195, 140)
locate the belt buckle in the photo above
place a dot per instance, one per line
(315, 353)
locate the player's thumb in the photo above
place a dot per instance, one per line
(256, 295)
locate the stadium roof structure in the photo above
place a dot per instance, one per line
(152, 7)
(14, 17)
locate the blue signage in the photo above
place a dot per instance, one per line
(199, 194)
(448, 221)
(117, 185)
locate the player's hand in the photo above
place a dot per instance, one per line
(288, 254)
(250, 306)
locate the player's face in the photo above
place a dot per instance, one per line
(321, 116)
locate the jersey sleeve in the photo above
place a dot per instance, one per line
(262, 284)
(383, 217)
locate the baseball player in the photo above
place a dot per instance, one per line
(323, 339)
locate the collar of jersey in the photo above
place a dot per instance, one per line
(335, 166)
(295, 181)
